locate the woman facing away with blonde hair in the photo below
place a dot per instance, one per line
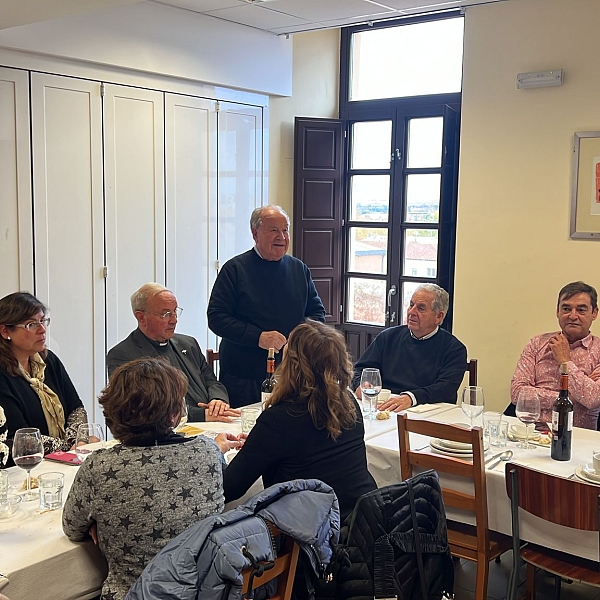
(312, 427)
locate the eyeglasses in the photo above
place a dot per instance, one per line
(33, 324)
(167, 314)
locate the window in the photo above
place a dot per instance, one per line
(400, 104)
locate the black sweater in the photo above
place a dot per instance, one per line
(252, 295)
(431, 369)
(284, 444)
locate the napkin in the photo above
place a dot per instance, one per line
(423, 408)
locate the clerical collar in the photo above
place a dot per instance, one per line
(154, 342)
(425, 337)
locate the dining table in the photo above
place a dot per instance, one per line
(383, 459)
(38, 561)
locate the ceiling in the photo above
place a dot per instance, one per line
(279, 17)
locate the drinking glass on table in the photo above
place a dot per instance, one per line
(183, 418)
(472, 402)
(370, 386)
(528, 412)
(88, 433)
(28, 451)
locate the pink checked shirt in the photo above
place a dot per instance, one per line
(537, 368)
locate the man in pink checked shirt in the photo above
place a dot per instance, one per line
(539, 364)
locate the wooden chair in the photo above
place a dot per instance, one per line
(472, 370)
(559, 500)
(477, 542)
(284, 568)
(212, 356)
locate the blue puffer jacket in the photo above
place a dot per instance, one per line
(205, 561)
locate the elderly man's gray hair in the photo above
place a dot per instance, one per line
(441, 302)
(139, 299)
(258, 214)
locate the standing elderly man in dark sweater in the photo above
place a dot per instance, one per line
(419, 362)
(257, 299)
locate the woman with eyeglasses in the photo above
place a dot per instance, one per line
(35, 389)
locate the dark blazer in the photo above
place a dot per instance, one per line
(137, 345)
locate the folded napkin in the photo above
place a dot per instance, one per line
(423, 408)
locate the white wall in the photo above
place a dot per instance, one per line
(164, 40)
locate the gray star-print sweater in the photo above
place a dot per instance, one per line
(141, 498)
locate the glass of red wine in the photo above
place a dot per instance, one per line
(28, 451)
(528, 412)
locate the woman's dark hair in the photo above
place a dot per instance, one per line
(143, 400)
(15, 309)
(317, 369)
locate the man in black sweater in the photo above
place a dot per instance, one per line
(419, 362)
(257, 299)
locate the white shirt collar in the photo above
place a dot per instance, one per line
(425, 337)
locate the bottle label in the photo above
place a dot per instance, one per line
(570, 420)
(555, 422)
(264, 396)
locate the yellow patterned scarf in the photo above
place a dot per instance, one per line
(53, 409)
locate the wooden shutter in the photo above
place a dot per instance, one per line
(318, 166)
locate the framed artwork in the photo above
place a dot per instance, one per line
(585, 200)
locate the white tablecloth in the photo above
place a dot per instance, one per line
(384, 465)
(36, 558)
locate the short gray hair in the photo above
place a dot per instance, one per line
(258, 214)
(139, 299)
(441, 302)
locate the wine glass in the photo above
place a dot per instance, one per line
(28, 451)
(472, 403)
(370, 386)
(88, 433)
(183, 417)
(528, 411)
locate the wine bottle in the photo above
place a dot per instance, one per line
(562, 419)
(269, 383)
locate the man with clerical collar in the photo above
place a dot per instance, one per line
(155, 308)
(259, 296)
(419, 362)
(540, 361)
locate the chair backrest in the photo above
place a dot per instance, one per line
(476, 501)
(284, 567)
(212, 356)
(472, 370)
(563, 501)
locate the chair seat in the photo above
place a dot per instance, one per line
(561, 564)
(462, 539)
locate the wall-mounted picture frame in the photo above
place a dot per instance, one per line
(585, 198)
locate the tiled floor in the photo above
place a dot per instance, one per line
(464, 583)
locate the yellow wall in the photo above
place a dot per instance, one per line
(315, 84)
(513, 248)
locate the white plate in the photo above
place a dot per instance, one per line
(463, 455)
(581, 474)
(455, 447)
(591, 473)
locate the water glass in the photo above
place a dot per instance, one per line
(498, 432)
(249, 416)
(489, 415)
(3, 486)
(88, 433)
(51, 490)
(370, 386)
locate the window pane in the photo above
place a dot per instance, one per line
(369, 197)
(368, 250)
(407, 60)
(425, 143)
(408, 289)
(423, 198)
(366, 301)
(420, 252)
(371, 145)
